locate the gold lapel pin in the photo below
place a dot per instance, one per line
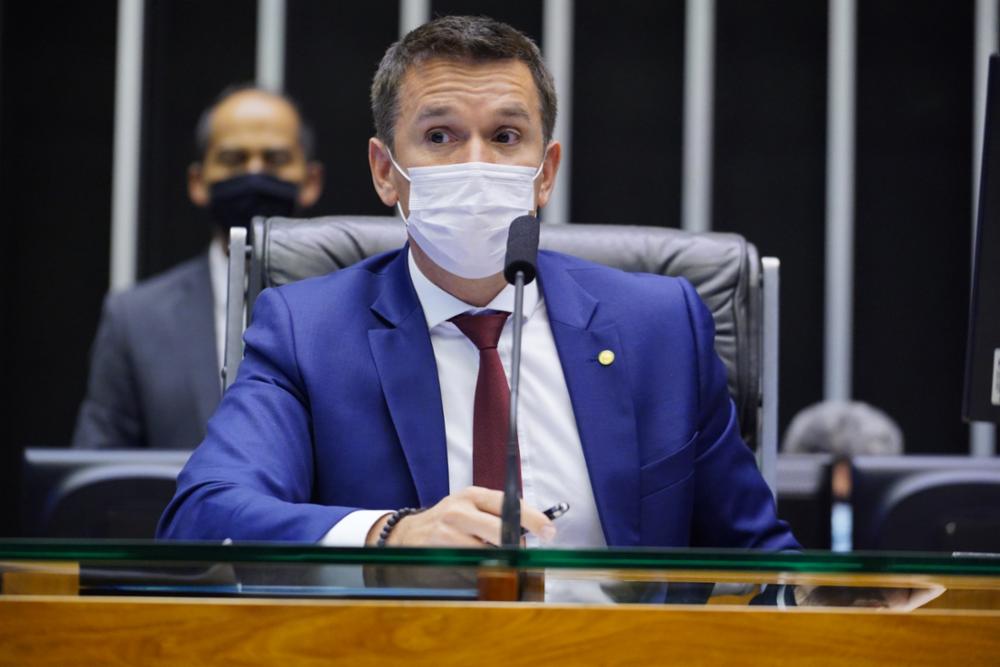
(606, 357)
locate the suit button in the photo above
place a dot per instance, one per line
(606, 357)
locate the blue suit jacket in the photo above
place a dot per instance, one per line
(337, 407)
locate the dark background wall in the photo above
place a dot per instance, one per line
(628, 113)
(57, 72)
(914, 209)
(56, 107)
(333, 51)
(770, 169)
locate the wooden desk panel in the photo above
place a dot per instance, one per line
(58, 630)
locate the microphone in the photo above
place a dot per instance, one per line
(519, 270)
(522, 249)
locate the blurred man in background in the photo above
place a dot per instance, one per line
(155, 363)
(844, 429)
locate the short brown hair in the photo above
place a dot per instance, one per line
(473, 38)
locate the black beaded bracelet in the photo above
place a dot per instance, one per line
(394, 518)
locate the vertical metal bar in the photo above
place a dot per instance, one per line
(768, 448)
(985, 45)
(271, 44)
(235, 305)
(557, 38)
(982, 436)
(837, 350)
(128, 135)
(699, 83)
(413, 13)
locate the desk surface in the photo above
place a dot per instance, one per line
(152, 604)
(38, 630)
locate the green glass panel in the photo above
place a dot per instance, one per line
(614, 558)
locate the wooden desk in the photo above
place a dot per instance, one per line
(71, 630)
(51, 613)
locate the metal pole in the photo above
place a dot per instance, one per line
(982, 436)
(840, 201)
(768, 445)
(413, 13)
(128, 135)
(271, 44)
(557, 37)
(699, 82)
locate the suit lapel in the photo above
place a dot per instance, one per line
(602, 403)
(405, 362)
(194, 314)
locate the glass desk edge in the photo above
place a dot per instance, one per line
(970, 564)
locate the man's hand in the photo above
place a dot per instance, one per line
(865, 596)
(469, 518)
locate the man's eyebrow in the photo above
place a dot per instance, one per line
(437, 111)
(440, 111)
(514, 111)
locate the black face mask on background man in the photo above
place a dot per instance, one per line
(236, 201)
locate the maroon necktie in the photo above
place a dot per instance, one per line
(492, 403)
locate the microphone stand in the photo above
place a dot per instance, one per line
(510, 515)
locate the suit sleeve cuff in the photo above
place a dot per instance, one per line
(352, 530)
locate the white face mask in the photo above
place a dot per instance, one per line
(460, 213)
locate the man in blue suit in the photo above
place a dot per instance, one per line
(381, 387)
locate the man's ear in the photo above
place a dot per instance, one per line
(312, 186)
(197, 189)
(381, 168)
(550, 167)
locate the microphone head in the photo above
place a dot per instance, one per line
(522, 249)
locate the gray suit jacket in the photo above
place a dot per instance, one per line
(154, 373)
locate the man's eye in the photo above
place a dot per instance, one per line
(506, 137)
(438, 137)
(231, 158)
(277, 158)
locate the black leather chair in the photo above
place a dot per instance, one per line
(75, 493)
(724, 268)
(926, 503)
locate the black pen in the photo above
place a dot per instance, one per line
(553, 513)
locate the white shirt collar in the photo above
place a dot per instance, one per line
(440, 306)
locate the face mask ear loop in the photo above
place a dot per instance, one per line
(399, 206)
(396, 165)
(538, 172)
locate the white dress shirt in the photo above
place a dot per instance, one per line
(553, 468)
